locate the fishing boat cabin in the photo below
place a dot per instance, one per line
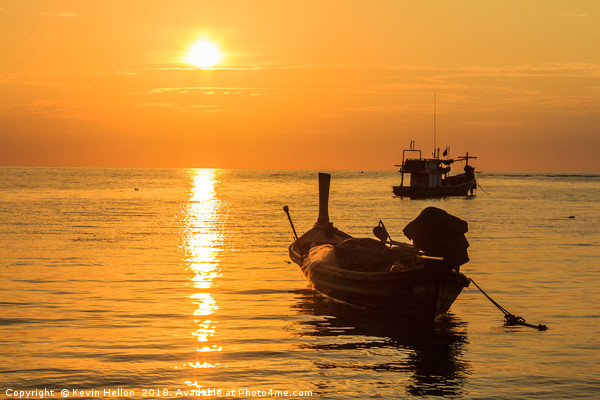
(430, 177)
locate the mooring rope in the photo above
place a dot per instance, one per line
(510, 319)
(483, 192)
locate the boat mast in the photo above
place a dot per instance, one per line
(434, 112)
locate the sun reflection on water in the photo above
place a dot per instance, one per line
(203, 253)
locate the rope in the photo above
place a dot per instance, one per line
(490, 299)
(483, 192)
(510, 319)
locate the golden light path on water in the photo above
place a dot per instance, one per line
(202, 255)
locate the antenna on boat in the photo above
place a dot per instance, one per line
(434, 113)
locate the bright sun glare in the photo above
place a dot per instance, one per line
(204, 54)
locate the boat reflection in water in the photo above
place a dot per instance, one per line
(428, 362)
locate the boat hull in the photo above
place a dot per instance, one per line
(458, 189)
(421, 293)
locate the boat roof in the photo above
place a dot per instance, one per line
(427, 160)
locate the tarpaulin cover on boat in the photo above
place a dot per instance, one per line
(364, 254)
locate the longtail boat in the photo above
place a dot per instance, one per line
(419, 280)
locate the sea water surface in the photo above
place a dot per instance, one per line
(134, 283)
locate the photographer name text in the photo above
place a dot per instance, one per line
(154, 393)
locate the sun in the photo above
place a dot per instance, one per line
(204, 54)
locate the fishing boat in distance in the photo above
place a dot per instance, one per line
(419, 280)
(430, 177)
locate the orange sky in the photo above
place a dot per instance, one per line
(302, 84)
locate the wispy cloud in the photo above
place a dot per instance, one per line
(500, 123)
(571, 88)
(215, 90)
(205, 108)
(52, 109)
(61, 14)
(510, 87)
(388, 109)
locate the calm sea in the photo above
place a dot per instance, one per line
(132, 283)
